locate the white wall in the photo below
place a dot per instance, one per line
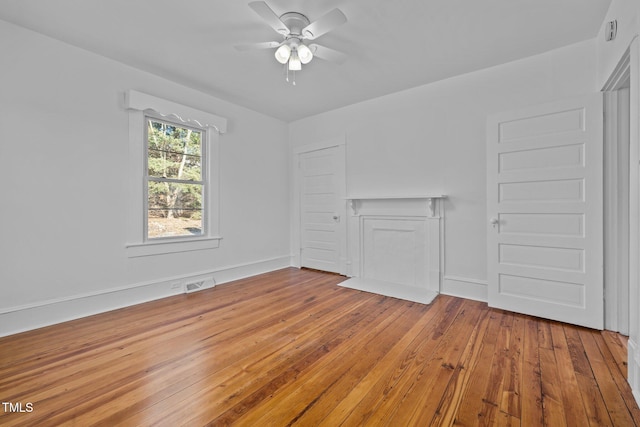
(431, 139)
(63, 212)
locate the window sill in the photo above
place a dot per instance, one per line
(135, 250)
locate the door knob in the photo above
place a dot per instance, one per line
(494, 222)
(336, 218)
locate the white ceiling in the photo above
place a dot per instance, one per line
(392, 45)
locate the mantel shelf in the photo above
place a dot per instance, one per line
(429, 196)
(356, 201)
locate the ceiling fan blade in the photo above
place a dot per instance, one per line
(251, 46)
(327, 54)
(326, 23)
(266, 13)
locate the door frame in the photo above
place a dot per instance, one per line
(338, 142)
(629, 63)
(617, 191)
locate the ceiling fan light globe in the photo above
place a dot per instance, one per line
(305, 54)
(283, 53)
(294, 62)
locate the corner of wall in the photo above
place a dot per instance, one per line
(465, 288)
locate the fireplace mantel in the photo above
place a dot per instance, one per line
(395, 245)
(412, 202)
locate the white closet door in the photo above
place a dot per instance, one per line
(321, 210)
(545, 210)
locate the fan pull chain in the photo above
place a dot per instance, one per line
(293, 78)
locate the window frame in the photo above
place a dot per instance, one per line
(141, 107)
(204, 177)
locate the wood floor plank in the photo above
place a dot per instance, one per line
(226, 364)
(532, 414)
(510, 400)
(573, 407)
(499, 371)
(617, 344)
(589, 392)
(552, 401)
(553, 408)
(421, 399)
(291, 347)
(86, 388)
(362, 396)
(593, 402)
(402, 371)
(246, 379)
(479, 402)
(616, 407)
(346, 365)
(612, 362)
(453, 395)
(113, 325)
(360, 364)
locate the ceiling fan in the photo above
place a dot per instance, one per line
(296, 29)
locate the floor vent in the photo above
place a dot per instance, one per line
(194, 286)
(197, 285)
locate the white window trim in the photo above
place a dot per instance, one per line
(137, 103)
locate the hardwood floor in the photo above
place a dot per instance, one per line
(292, 348)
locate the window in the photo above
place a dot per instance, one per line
(175, 180)
(173, 199)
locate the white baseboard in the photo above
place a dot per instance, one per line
(464, 288)
(32, 316)
(633, 366)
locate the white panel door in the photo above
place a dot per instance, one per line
(322, 204)
(545, 211)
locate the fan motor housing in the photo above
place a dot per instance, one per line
(295, 21)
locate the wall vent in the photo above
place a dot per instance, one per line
(194, 286)
(199, 284)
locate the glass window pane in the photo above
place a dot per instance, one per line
(173, 151)
(177, 166)
(174, 210)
